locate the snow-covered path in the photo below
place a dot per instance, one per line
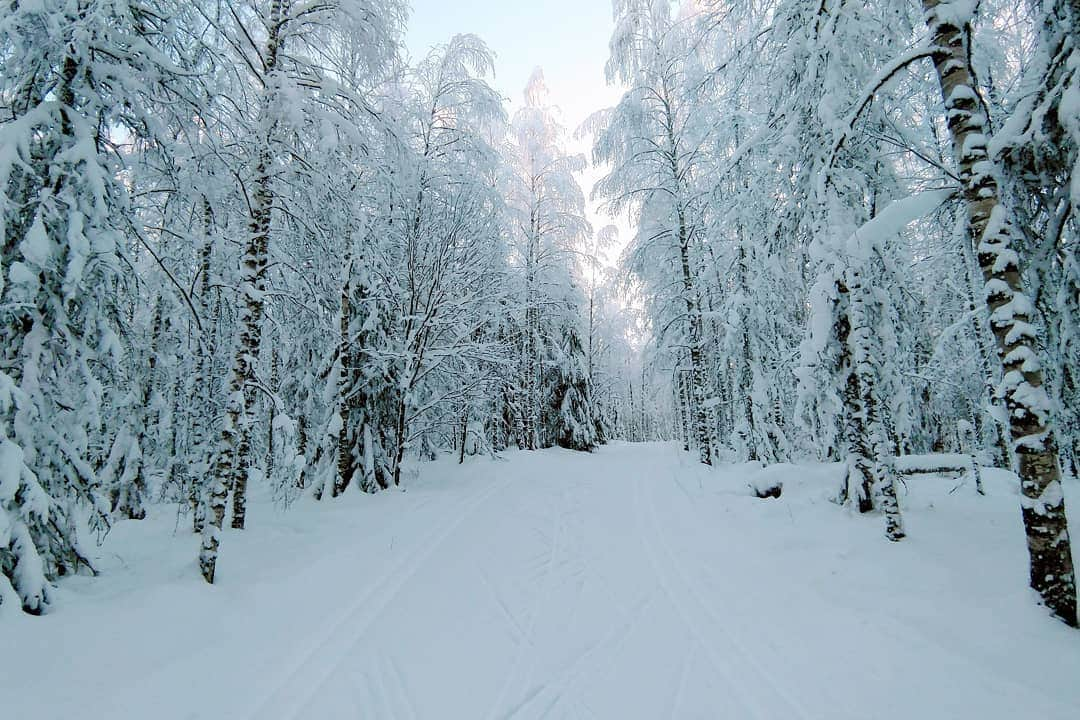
(624, 584)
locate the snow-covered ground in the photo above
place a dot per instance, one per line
(625, 584)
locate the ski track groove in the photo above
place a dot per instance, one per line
(767, 632)
(276, 703)
(653, 545)
(614, 639)
(680, 686)
(402, 688)
(577, 566)
(520, 633)
(515, 674)
(735, 643)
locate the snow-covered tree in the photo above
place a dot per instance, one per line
(73, 114)
(1012, 312)
(650, 141)
(549, 208)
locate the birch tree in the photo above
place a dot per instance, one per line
(1011, 311)
(295, 84)
(550, 209)
(649, 142)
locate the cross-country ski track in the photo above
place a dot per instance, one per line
(626, 583)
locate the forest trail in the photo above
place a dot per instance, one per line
(629, 583)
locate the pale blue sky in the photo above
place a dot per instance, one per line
(567, 38)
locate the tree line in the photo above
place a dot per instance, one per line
(856, 236)
(248, 243)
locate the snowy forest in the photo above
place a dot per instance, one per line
(255, 250)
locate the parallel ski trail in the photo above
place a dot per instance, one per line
(770, 630)
(555, 688)
(521, 668)
(304, 677)
(700, 620)
(629, 583)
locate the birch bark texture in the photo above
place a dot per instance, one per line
(234, 449)
(1011, 311)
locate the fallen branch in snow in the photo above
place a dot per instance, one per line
(939, 464)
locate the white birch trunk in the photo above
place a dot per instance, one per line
(234, 451)
(1043, 502)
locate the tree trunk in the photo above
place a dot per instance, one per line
(1071, 452)
(253, 284)
(274, 380)
(401, 427)
(876, 446)
(346, 457)
(1043, 503)
(859, 480)
(234, 454)
(981, 333)
(697, 356)
(464, 433)
(532, 322)
(746, 372)
(301, 449)
(703, 425)
(202, 430)
(683, 404)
